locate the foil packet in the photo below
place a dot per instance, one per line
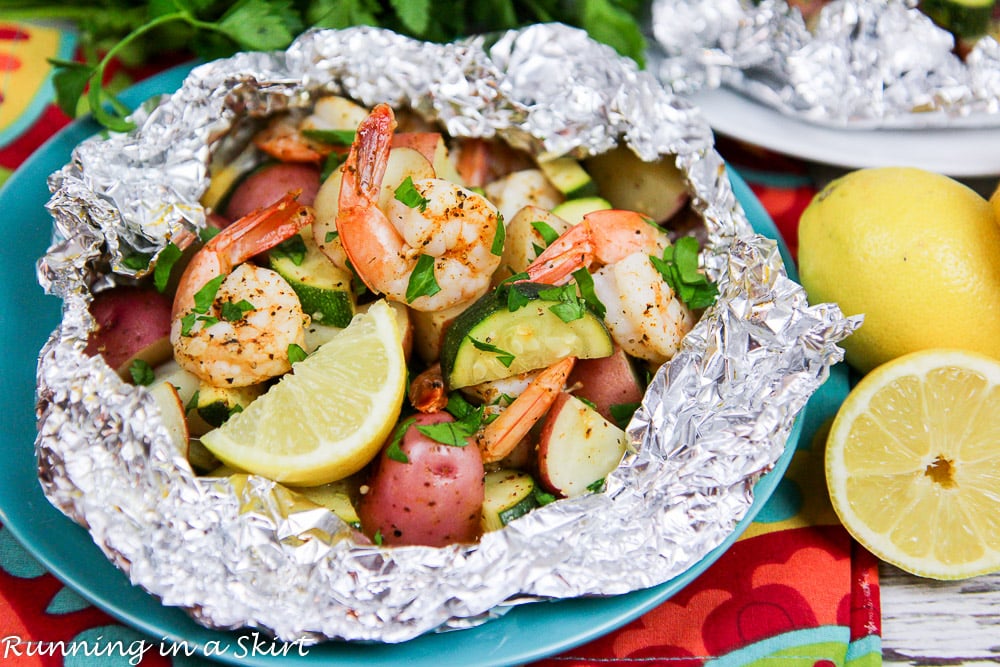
(241, 552)
(862, 64)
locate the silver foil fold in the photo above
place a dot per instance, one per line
(238, 552)
(864, 64)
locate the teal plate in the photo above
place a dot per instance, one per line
(27, 317)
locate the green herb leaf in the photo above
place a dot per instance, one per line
(193, 403)
(138, 261)
(545, 231)
(585, 283)
(453, 434)
(207, 233)
(70, 79)
(622, 413)
(394, 451)
(516, 299)
(542, 497)
(408, 195)
(377, 537)
(296, 353)
(413, 14)
(261, 25)
(164, 263)
(422, 281)
(233, 312)
(187, 323)
(142, 372)
(234, 409)
(570, 307)
(612, 25)
(504, 357)
(204, 297)
(597, 486)
(331, 137)
(499, 236)
(331, 164)
(331, 237)
(294, 248)
(589, 403)
(342, 13)
(679, 268)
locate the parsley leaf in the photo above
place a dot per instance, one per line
(331, 137)
(208, 233)
(679, 268)
(545, 231)
(193, 403)
(331, 237)
(295, 353)
(413, 14)
(622, 413)
(142, 372)
(262, 25)
(499, 236)
(377, 537)
(204, 297)
(585, 283)
(516, 299)
(137, 261)
(453, 434)
(422, 281)
(570, 306)
(330, 165)
(294, 248)
(164, 264)
(504, 357)
(232, 312)
(408, 195)
(596, 486)
(542, 497)
(394, 451)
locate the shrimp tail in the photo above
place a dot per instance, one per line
(427, 390)
(571, 251)
(369, 155)
(499, 438)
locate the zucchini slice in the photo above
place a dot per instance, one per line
(966, 19)
(508, 494)
(569, 177)
(323, 289)
(217, 404)
(519, 327)
(573, 210)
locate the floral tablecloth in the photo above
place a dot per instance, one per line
(794, 590)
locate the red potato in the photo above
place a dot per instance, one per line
(269, 184)
(132, 323)
(606, 381)
(434, 499)
(577, 447)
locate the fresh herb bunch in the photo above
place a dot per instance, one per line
(135, 31)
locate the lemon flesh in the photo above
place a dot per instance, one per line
(330, 416)
(917, 253)
(913, 463)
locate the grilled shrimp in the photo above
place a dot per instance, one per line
(432, 249)
(643, 314)
(232, 322)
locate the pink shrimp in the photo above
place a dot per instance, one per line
(246, 342)
(451, 226)
(499, 438)
(643, 314)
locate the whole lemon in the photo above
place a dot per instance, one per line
(916, 252)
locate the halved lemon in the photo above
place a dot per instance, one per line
(330, 416)
(913, 463)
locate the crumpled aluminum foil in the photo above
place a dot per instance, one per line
(241, 552)
(864, 64)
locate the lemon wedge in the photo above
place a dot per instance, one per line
(913, 463)
(330, 416)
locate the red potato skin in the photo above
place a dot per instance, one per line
(129, 319)
(424, 143)
(433, 500)
(606, 381)
(269, 184)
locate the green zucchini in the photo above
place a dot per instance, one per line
(573, 210)
(569, 177)
(216, 404)
(503, 334)
(508, 494)
(323, 289)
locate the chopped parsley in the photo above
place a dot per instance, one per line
(394, 451)
(545, 231)
(570, 306)
(422, 281)
(294, 248)
(232, 312)
(408, 195)
(296, 353)
(585, 283)
(377, 537)
(164, 264)
(330, 165)
(204, 297)
(142, 372)
(499, 236)
(596, 486)
(622, 413)
(137, 261)
(331, 237)
(330, 137)
(193, 403)
(207, 233)
(679, 268)
(504, 357)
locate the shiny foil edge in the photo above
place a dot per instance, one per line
(239, 552)
(863, 64)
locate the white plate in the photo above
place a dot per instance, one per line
(956, 152)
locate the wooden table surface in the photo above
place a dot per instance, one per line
(926, 622)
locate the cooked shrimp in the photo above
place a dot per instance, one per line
(246, 342)
(283, 138)
(452, 226)
(499, 438)
(643, 314)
